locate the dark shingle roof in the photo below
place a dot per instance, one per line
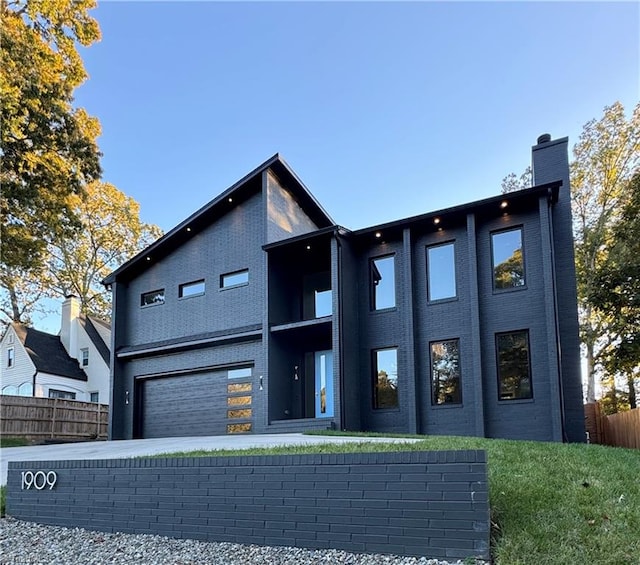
(48, 354)
(89, 324)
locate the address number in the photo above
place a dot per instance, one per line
(38, 480)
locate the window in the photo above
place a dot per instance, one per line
(445, 372)
(191, 289)
(385, 378)
(94, 397)
(383, 283)
(514, 378)
(11, 357)
(240, 373)
(152, 298)
(236, 278)
(10, 390)
(441, 268)
(508, 260)
(323, 305)
(53, 393)
(25, 389)
(85, 357)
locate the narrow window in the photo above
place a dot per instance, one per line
(53, 393)
(85, 357)
(385, 378)
(508, 260)
(441, 267)
(241, 373)
(94, 397)
(152, 298)
(514, 372)
(445, 372)
(383, 283)
(191, 289)
(236, 278)
(10, 357)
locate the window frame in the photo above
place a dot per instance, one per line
(375, 375)
(451, 243)
(84, 356)
(97, 393)
(499, 371)
(523, 286)
(372, 285)
(431, 375)
(11, 357)
(156, 303)
(61, 394)
(191, 284)
(224, 286)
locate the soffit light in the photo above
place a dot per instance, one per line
(436, 221)
(504, 204)
(378, 234)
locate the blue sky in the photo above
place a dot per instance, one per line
(384, 110)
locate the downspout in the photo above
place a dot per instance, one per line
(340, 333)
(556, 320)
(33, 386)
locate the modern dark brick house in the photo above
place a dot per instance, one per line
(259, 314)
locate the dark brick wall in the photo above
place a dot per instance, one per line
(431, 504)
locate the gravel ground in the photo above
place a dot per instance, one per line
(26, 542)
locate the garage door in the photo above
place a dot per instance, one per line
(187, 405)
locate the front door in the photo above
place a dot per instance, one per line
(324, 383)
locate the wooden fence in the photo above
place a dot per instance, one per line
(52, 418)
(620, 430)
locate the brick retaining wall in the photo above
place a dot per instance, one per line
(411, 503)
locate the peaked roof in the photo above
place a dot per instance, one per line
(97, 331)
(247, 186)
(48, 354)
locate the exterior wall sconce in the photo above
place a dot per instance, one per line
(126, 397)
(295, 373)
(260, 384)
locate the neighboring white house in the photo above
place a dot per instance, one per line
(72, 365)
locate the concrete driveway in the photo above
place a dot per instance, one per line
(135, 447)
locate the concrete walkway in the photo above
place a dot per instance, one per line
(136, 447)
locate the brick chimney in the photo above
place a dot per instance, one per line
(69, 325)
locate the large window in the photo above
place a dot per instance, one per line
(445, 372)
(237, 278)
(385, 378)
(441, 268)
(508, 259)
(383, 283)
(194, 288)
(514, 371)
(152, 298)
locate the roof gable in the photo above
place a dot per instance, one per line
(96, 331)
(47, 353)
(238, 192)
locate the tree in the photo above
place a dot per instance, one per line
(111, 234)
(512, 182)
(21, 294)
(48, 148)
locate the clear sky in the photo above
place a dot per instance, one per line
(384, 109)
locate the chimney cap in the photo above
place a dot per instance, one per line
(544, 138)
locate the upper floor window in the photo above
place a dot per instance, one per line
(152, 298)
(514, 371)
(85, 357)
(508, 259)
(11, 357)
(236, 278)
(441, 268)
(445, 372)
(239, 373)
(385, 378)
(194, 288)
(323, 303)
(383, 283)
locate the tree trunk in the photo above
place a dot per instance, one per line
(632, 391)
(15, 307)
(591, 377)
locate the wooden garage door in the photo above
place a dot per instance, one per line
(186, 405)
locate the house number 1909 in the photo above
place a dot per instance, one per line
(38, 480)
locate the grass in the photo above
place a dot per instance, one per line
(13, 442)
(3, 495)
(551, 503)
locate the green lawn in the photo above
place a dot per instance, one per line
(13, 442)
(551, 503)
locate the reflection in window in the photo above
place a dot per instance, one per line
(514, 379)
(191, 289)
(323, 306)
(508, 262)
(441, 267)
(385, 378)
(152, 298)
(237, 278)
(445, 372)
(383, 283)
(240, 373)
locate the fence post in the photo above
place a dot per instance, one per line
(53, 419)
